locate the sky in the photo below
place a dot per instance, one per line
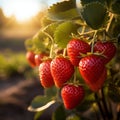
(24, 9)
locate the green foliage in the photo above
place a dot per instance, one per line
(62, 11)
(29, 44)
(12, 64)
(89, 100)
(51, 92)
(73, 117)
(84, 2)
(38, 114)
(40, 103)
(64, 32)
(94, 19)
(50, 29)
(66, 20)
(114, 92)
(59, 113)
(114, 6)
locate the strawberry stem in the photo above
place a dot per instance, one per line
(96, 113)
(74, 80)
(51, 51)
(58, 95)
(99, 106)
(110, 21)
(108, 115)
(93, 41)
(52, 44)
(90, 32)
(83, 29)
(64, 52)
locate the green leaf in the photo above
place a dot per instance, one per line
(59, 113)
(63, 10)
(40, 103)
(50, 29)
(29, 44)
(115, 27)
(108, 2)
(63, 33)
(87, 103)
(115, 6)
(45, 21)
(94, 14)
(37, 115)
(73, 117)
(50, 92)
(84, 2)
(41, 42)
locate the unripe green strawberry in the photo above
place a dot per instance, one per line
(93, 71)
(107, 48)
(46, 78)
(61, 70)
(72, 95)
(74, 48)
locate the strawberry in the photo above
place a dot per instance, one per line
(99, 83)
(107, 48)
(30, 56)
(74, 48)
(92, 69)
(39, 57)
(45, 74)
(61, 70)
(72, 95)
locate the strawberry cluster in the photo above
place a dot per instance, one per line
(58, 71)
(35, 59)
(92, 67)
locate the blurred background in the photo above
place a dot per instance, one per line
(19, 83)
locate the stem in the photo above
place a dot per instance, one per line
(52, 44)
(64, 52)
(58, 95)
(90, 32)
(111, 18)
(99, 106)
(109, 116)
(110, 109)
(93, 41)
(97, 116)
(51, 51)
(74, 80)
(83, 29)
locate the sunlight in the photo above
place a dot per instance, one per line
(23, 10)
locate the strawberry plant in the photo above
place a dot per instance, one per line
(80, 72)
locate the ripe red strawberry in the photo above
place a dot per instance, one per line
(99, 83)
(30, 56)
(39, 57)
(92, 69)
(61, 70)
(107, 48)
(46, 78)
(74, 48)
(72, 95)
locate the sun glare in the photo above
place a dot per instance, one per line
(23, 10)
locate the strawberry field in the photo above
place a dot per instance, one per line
(76, 54)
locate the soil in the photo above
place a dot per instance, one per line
(15, 97)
